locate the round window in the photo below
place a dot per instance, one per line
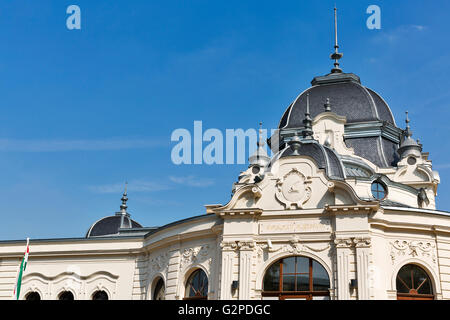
(411, 160)
(378, 190)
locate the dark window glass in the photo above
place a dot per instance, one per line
(303, 282)
(289, 265)
(100, 295)
(272, 278)
(66, 295)
(33, 296)
(159, 292)
(197, 285)
(378, 191)
(321, 282)
(302, 265)
(289, 283)
(413, 280)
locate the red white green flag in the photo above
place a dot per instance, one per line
(23, 266)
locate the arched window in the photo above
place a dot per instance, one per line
(33, 296)
(296, 278)
(100, 295)
(159, 293)
(197, 286)
(413, 283)
(66, 295)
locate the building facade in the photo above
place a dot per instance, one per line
(344, 209)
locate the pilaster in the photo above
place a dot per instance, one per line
(343, 257)
(362, 250)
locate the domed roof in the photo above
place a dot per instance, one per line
(324, 157)
(110, 225)
(347, 97)
(370, 126)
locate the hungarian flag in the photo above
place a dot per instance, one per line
(22, 268)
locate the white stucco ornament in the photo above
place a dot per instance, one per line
(292, 189)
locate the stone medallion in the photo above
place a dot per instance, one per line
(293, 190)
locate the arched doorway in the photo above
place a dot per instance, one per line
(159, 293)
(33, 296)
(100, 295)
(413, 283)
(197, 286)
(296, 277)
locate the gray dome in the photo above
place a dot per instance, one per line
(365, 111)
(347, 97)
(109, 226)
(324, 157)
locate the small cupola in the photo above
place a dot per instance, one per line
(408, 146)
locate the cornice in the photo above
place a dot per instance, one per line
(373, 129)
(238, 212)
(351, 209)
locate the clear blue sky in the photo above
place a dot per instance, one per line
(84, 110)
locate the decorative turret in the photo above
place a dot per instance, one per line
(408, 146)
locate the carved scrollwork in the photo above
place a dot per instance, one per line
(229, 245)
(246, 245)
(362, 242)
(292, 189)
(194, 255)
(159, 262)
(413, 248)
(343, 242)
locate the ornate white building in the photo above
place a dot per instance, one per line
(344, 209)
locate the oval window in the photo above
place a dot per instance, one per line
(378, 190)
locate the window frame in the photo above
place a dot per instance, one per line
(413, 293)
(383, 185)
(191, 276)
(309, 294)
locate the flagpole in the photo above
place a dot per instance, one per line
(22, 268)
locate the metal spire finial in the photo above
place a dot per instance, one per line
(123, 206)
(408, 131)
(336, 55)
(307, 132)
(261, 141)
